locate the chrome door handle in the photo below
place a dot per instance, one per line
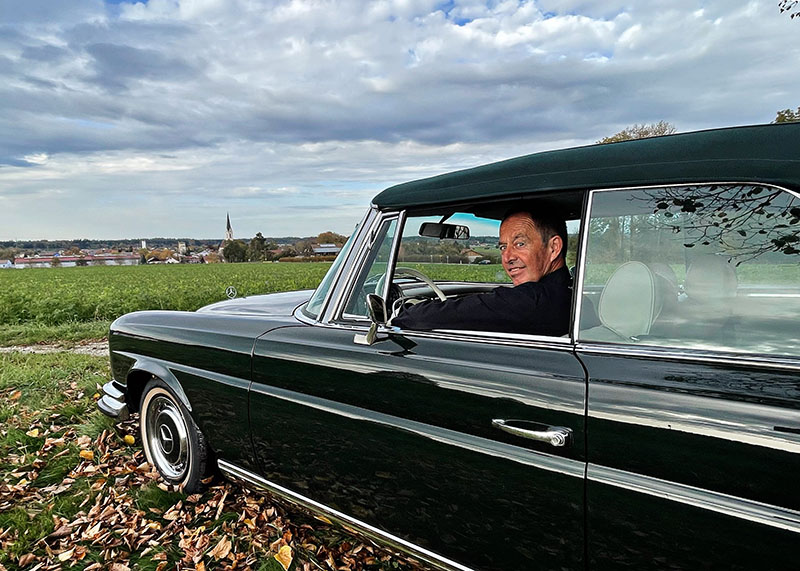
(553, 435)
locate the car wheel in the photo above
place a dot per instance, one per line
(171, 440)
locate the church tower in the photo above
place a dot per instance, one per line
(228, 230)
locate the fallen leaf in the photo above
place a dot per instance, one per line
(87, 454)
(26, 559)
(62, 531)
(15, 395)
(222, 549)
(33, 433)
(284, 556)
(66, 555)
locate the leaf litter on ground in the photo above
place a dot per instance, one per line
(68, 500)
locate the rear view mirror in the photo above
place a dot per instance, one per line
(444, 231)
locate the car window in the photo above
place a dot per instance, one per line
(706, 267)
(372, 278)
(314, 305)
(445, 254)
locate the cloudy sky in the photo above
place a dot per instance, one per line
(126, 119)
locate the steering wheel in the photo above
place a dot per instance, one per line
(412, 273)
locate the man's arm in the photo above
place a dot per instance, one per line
(538, 308)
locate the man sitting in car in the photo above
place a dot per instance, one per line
(533, 250)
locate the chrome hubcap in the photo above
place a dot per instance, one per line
(167, 437)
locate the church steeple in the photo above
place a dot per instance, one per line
(228, 230)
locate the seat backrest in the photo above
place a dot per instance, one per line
(631, 300)
(711, 279)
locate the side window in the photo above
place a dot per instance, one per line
(372, 278)
(706, 267)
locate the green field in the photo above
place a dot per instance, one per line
(54, 296)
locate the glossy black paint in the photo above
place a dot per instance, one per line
(399, 434)
(204, 356)
(728, 430)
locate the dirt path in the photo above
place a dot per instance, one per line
(96, 348)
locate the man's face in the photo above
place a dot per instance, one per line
(525, 257)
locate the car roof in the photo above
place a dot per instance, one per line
(766, 154)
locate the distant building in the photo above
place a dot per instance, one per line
(326, 249)
(228, 230)
(471, 255)
(72, 261)
(228, 236)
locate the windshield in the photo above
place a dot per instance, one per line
(314, 305)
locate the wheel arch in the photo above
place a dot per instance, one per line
(141, 373)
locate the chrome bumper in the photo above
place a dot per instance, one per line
(112, 403)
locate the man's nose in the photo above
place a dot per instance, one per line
(507, 255)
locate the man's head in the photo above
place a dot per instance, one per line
(532, 246)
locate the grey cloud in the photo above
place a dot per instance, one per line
(380, 91)
(116, 66)
(45, 53)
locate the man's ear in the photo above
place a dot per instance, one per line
(555, 245)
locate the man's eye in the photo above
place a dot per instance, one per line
(520, 244)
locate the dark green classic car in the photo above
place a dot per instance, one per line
(663, 431)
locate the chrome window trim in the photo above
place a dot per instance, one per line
(345, 286)
(383, 537)
(777, 362)
(741, 508)
(335, 279)
(490, 337)
(593, 347)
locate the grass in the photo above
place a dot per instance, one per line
(65, 334)
(63, 296)
(74, 494)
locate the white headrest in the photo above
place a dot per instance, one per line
(631, 300)
(710, 278)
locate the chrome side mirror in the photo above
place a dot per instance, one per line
(376, 307)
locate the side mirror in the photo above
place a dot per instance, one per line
(376, 307)
(444, 231)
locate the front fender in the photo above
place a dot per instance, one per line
(142, 370)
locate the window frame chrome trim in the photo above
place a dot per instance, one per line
(345, 286)
(777, 362)
(741, 508)
(437, 561)
(336, 277)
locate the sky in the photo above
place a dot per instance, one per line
(127, 119)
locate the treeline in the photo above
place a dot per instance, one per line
(261, 249)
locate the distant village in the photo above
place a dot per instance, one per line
(321, 248)
(125, 253)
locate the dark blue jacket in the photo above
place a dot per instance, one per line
(536, 308)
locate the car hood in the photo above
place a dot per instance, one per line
(270, 304)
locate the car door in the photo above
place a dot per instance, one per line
(694, 378)
(426, 435)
